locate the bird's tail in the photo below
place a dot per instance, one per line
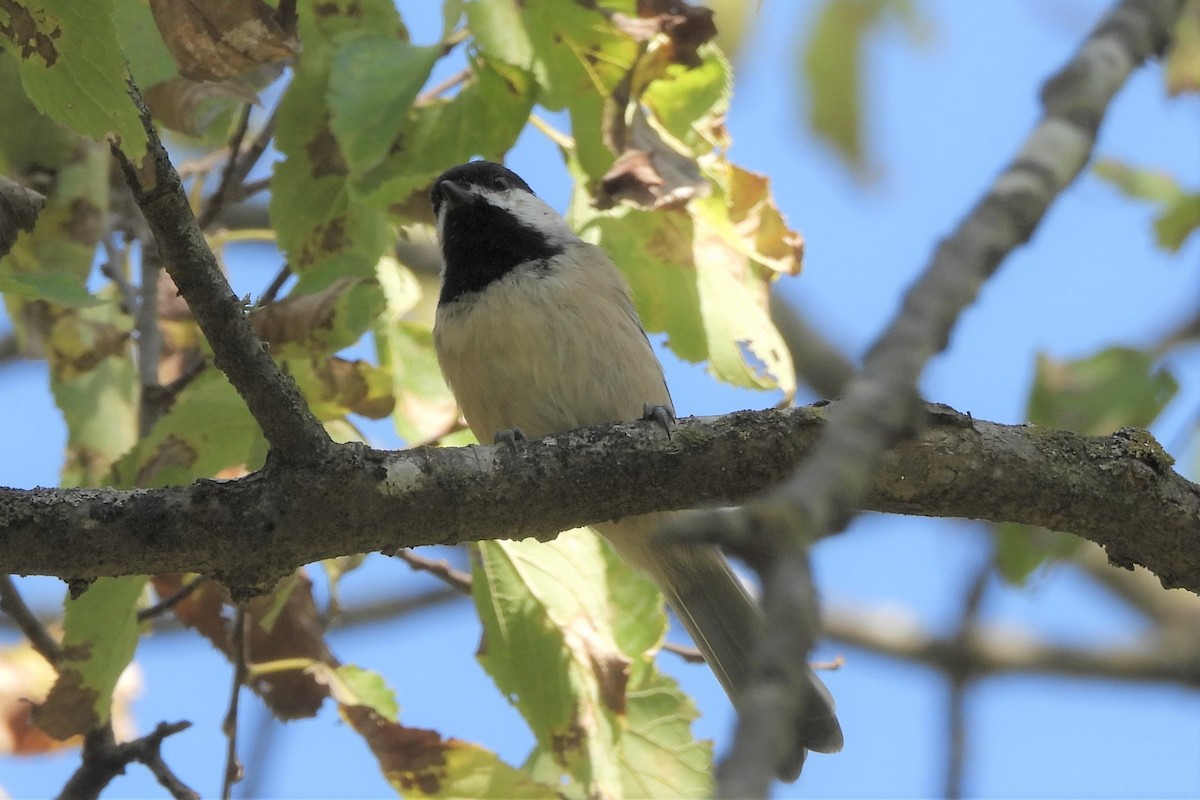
(721, 618)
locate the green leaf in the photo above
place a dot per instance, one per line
(316, 217)
(659, 756)
(569, 636)
(100, 634)
(691, 276)
(1178, 220)
(73, 68)
(483, 119)
(654, 252)
(831, 69)
(1182, 72)
(53, 285)
(545, 605)
(420, 763)
(1021, 549)
(207, 429)
(53, 261)
(372, 85)
(1116, 388)
(38, 140)
(424, 405)
(350, 685)
(744, 347)
(452, 12)
(577, 58)
(96, 387)
(1137, 182)
(690, 104)
(149, 59)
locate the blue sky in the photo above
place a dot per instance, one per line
(944, 117)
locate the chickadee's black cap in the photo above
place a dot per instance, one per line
(486, 174)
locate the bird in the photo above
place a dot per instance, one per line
(536, 333)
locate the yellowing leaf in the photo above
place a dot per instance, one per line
(100, 634)
(207, 429)
(1182, 70)
(1179, 219)
(1138, 182)
(420, 763)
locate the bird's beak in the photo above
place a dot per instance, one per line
(455, 195)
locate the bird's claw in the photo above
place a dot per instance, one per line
(510, 436)
(664, 416)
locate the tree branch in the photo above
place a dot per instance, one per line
(104, 759)
(1118, 491)
(12, 604)
(990, 651)
(273, 398)
(882, 405)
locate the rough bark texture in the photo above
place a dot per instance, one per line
(1119, 491)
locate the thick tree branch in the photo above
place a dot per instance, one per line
(273, 398)
(1118, 491)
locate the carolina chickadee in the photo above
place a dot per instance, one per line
(535, 332)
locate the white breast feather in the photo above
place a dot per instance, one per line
(549, 351)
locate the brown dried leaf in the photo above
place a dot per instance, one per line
(19, 208)
(610, 666)
(25, 679)
(349, 384)
(25, 682)
(191, 106)
(220, 39)
(296, 318)
(686, 26)
(760, 223)
(650, 173)
(420, 763)
(295, 631)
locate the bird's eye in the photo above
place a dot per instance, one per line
(502, 182)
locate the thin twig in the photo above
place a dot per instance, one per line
(173, 599)
(272, 291)
(1000, 651)
(113, 268)
(149, 340)
(250, 188)
(233, 768)
(455, 578)
(960, 679)
(444, 86)
(260, 750)
(689, 654)
(232, 186)
(12, 604)
(104, 759)
(294, 433)
(152, 758)
(217, 199)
